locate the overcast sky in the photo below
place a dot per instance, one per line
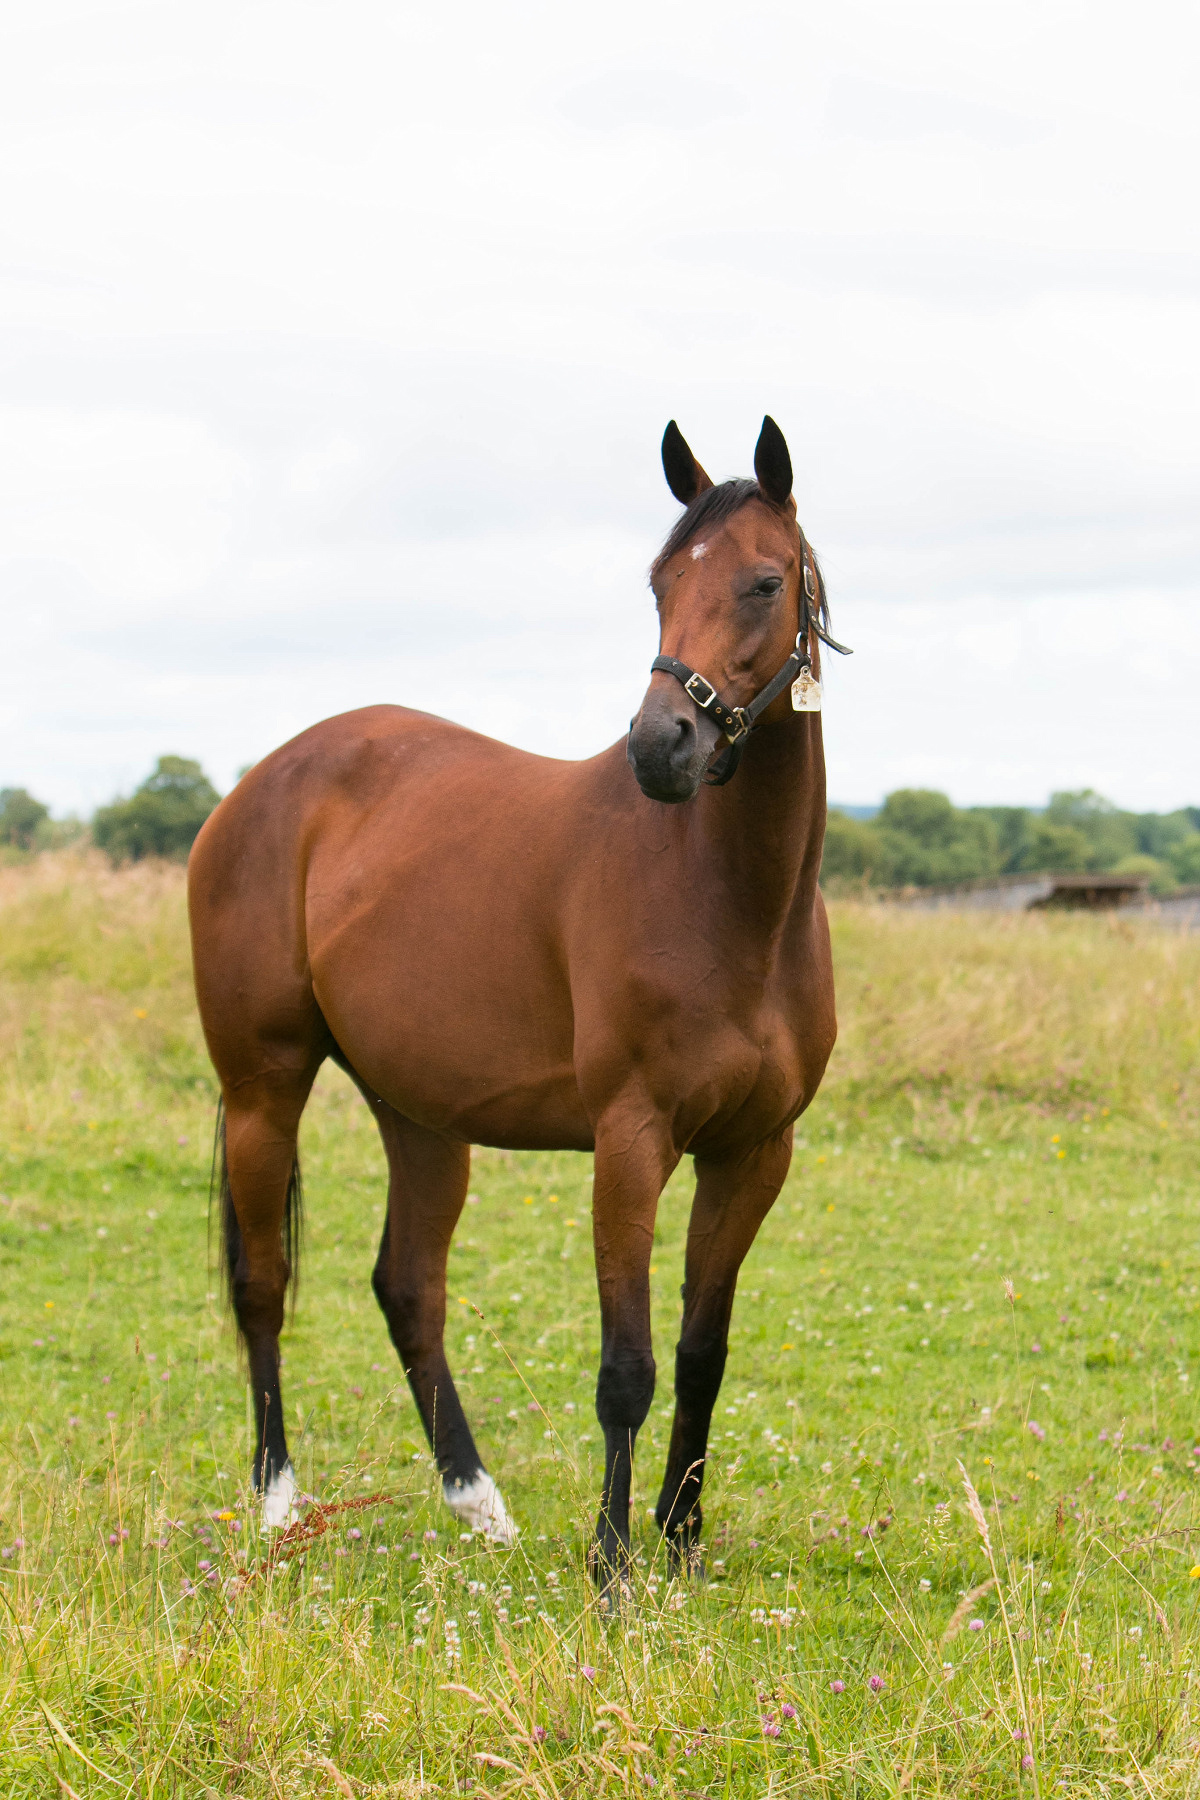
(339, 340)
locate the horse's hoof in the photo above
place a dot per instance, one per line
(478, 1504)
(281, 1501)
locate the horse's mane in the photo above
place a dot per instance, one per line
(713, 507)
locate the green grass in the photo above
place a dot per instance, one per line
(1011, 1099)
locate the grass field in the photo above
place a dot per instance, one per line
(1012, 1099)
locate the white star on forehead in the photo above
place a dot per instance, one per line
(698, 550)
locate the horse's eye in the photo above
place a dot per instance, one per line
(768, 588)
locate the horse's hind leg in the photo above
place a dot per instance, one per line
(260, 1182)
(426, 1192)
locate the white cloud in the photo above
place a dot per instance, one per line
(340, 339)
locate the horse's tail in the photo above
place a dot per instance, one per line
(220, 1203)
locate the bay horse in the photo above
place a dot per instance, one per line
(627, 955)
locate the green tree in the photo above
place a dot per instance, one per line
(1184, 858)
(1056, 848)
(854, 851)
(928, 841)
(1014, 828)
(162, 817)
(1110, 833)
(20, 816)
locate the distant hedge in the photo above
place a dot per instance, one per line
(920, 839)
(162, 817)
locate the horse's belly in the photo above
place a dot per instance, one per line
(453, 1042)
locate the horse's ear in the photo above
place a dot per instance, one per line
(685, 477)
(772, 464)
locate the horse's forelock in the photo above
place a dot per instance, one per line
(712, 507)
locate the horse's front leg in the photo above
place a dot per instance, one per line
(732, 1200)
(634, 1157)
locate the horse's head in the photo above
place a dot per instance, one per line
(730, 587)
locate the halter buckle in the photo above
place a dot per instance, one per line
(744, 726)
(689, 688)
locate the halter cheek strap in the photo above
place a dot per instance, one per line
(737, 722)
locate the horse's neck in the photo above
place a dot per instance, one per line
(762, 833)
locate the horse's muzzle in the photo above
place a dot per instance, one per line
(669, 747)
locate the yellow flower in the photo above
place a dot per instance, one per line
(987, 1462)
(1055, 1139)
(227, 1515)
(139, 1012)
(528, 1200)
(49, 1306)
(822, 1159)
(789, 1346)
(1194, 1574)
(554, 1199)
(1061, 1155)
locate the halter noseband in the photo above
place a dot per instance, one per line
(737, 722)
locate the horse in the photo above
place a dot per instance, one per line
(626, 955)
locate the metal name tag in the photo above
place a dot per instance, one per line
(806, 692)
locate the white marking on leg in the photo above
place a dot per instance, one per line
(280, 1503)
(478, 1504)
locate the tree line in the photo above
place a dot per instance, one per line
(917, 839)
(160, 818)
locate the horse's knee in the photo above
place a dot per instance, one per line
(258, 1299)
(624, 1390)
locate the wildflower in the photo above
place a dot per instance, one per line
(429, 1536)
(1194, 1574)
(837, 1687)
(533, 1407)
(539, 1732)
(204, 1565)
(1122, 1493)
(1018, 1734)
(110, 1415)
(354, 1532)
(770, 1728)
(788, 1710)
(975, 1625)
(6, 1552)
(589, 1673)
(924, 1585)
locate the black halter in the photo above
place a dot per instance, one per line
(737, 722)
